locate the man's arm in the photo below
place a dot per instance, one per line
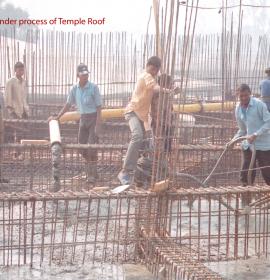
(266, 119)
(265, 115)
(8, 97)
(67, 106)
(25, 104)
(63, 111)
(242, 131)
(158, 88)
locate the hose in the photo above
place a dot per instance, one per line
(227, 146)
(251, 165)
(204, 183)
(189, 176)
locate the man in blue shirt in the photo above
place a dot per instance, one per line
(253, 120)
(86, 97)
(265, 88)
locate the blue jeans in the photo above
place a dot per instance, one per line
(135, 144)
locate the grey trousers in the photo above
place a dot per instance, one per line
(135, 144)
(87, 135)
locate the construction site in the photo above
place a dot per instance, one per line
(183, 216)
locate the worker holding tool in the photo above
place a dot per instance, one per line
(265, 88)
(86, 97)
(137, 115)
(253, 120)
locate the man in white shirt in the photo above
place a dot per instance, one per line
(16, 94)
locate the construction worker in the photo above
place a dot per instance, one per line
(161, 109)
(265, 88)
(137, 115)
(253, 120)
(16, 98)
(86, 97)
(16, 94)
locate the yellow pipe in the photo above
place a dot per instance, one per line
(203, 107)
(112, 113)
(34, 142)
(188, 108)
(178, 108)
(105, 115)
(70, 117)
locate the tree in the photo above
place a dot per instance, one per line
(9, 11)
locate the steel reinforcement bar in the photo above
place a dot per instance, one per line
(89, 226)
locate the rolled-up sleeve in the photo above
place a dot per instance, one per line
(97, 97)
(71, 100)
(149, 81)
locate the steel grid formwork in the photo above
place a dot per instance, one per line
(33, 166)
(51, 214)
(117, 132)
(207, 65)
(68, 227)
(173, 233)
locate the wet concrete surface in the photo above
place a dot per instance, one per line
(136, 272)
(251, 269)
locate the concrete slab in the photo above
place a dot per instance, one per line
(136, 272)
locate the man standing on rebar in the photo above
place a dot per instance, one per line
(162, 111)
(16, 94)
(137, 115)
(253, 120)
(86, 97)
(265, 88)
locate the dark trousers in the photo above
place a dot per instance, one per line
(263, 160)
(19, 134)
(87, 135)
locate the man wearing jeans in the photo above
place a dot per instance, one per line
(86, 96)
(253, 120)
(137, 115)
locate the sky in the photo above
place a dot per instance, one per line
(132, 15)
(121, 15)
